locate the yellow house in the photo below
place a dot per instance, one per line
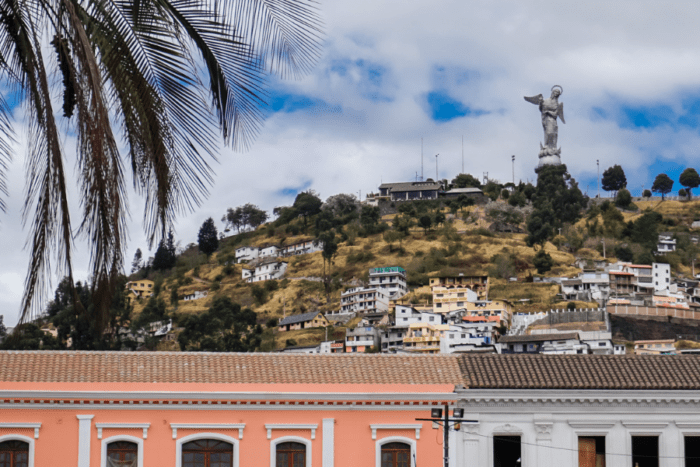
(424, 337)
(655, 347)
(492, 310)
(142, 288)
(453, 292)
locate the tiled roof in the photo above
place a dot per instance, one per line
(411, 186)
(581, 371)
(558, 336)
(299, 318)
(239, 368)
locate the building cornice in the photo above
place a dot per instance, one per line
(585, 398)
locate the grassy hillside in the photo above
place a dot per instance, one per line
(461, 245)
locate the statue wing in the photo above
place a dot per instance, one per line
(560, 112)
(534, 99)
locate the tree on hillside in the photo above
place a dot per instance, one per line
(369, 218)
(557, 201)
(623, 198)
(165, 257)
(465, 181)
(246, 215)
(166, 81)
(391, 237)
(426, 222)
(689, 179)
(307, 203)
(662, 184)
(542, 261)
(208, 237)
(342, 205)
(614, 179)
(137, 263)
(3, 329)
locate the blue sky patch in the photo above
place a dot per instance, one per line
(291, 191)
(295, 102)
(443, 108)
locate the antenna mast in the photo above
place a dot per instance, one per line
(421, 159)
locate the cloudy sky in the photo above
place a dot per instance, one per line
(395, 72)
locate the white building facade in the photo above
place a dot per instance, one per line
(364, 300)
(392, 280)
(580, 412)
(265, 271)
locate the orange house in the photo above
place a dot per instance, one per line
(162, 409)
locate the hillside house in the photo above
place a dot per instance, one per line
(500, 311)
(270, 251)
(554, 343)
(468, 337)
(301, 248)
(142, 288)
(459, 284)
(655, 347)
(313, 319)
(364, 300)
(424, 337)
(195, 295)
(410, 191)
(666, 243)
(361, 339)
(392, 280)
(588, 286)
(470, 192)
(270, 269)
(247, 254)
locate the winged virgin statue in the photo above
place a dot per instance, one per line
(551, 109)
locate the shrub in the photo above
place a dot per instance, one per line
(272, 323)
(571, 306)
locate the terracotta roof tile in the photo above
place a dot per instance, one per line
(581, 371)
(203, 367)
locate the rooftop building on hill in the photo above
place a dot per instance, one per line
(410, 191)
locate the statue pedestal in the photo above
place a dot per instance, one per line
(549, 160)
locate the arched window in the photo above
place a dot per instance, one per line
(396, 455)
(207, 453)
(290, 455)
(122, 454)
(14, 454)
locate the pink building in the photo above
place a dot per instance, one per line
(107, 409)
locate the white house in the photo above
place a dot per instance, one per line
(391, 280)
(195, 295)
(267, 270)
(270, 251)
(661, 276)
(247, 253)
(301, 248)
(364, 300)
(666, 243)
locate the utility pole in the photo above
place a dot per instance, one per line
(462, 153)
(512, 158)
(436, 168)
(437, 417)
(597, 161)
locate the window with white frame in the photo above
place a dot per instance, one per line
(122, 451)
(396, 451)
(14, 453)
(290, 451)
(207, 450)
